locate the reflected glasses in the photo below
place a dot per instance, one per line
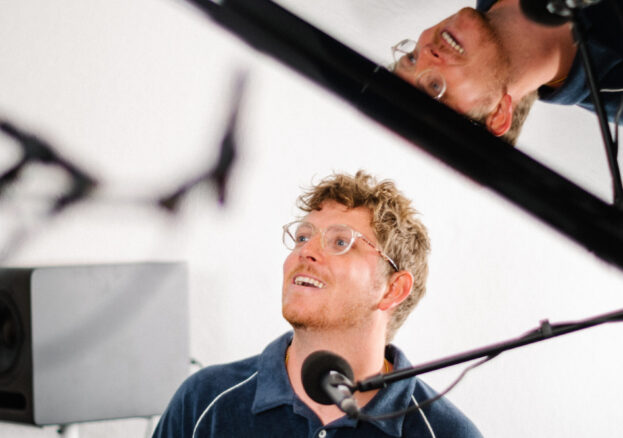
(335, 239)
(431, 81)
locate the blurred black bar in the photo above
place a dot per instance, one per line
(427, 124)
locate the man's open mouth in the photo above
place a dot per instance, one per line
(448, 38)
(301, 280)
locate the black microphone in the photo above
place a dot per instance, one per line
(327, 379)
(552, 12)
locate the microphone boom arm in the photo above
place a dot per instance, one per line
(579, 34)
(545, 331)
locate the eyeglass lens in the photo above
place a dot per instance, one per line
(431, 82)
(337, 239)
(404, 47)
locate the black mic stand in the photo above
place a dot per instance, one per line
(579, 35)
(37, 150)
(545, 331)
(219, 173)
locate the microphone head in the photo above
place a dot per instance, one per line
(536, 10)
(316, 367)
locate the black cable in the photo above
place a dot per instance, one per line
(196, 362)
(426, 402)
(617, 119)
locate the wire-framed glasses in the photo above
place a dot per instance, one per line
(431, 81)
(335, 239)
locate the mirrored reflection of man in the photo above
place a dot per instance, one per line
(357, 268)
(494, 60)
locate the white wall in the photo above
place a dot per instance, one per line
(137, 92)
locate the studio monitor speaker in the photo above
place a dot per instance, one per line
(86, 343)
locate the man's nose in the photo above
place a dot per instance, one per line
(312, 249)
(429, 56)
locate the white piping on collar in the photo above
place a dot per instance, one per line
(231, 388)
(430, 429)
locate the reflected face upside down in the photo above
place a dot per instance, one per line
(465, 50)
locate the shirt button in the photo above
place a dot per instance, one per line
(322, 433)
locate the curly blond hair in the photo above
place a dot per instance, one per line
(400, 234)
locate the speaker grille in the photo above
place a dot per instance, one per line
(11, 334)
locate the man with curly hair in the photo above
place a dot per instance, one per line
(357, 268)
(494, 61)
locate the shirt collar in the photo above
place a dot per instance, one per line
(575, 89)
(274, 389)
(484, 5)
(273, 384)
(394, 397)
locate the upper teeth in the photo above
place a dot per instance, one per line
(300, 280)
(448, 38)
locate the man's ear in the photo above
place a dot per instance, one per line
(499, 120)
(397, 291)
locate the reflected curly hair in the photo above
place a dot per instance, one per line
(400, 234)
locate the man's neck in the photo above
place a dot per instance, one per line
(538, 54)
(365, 354)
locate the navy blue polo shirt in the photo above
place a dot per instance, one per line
(253, 398)
(605, 44)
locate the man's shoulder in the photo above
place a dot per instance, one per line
(214, 379)
(444, 417)
(199, 391)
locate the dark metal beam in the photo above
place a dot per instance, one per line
(427, 124)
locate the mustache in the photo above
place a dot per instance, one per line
(305, 270)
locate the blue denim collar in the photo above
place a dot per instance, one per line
(575, 89)
(274, 389)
